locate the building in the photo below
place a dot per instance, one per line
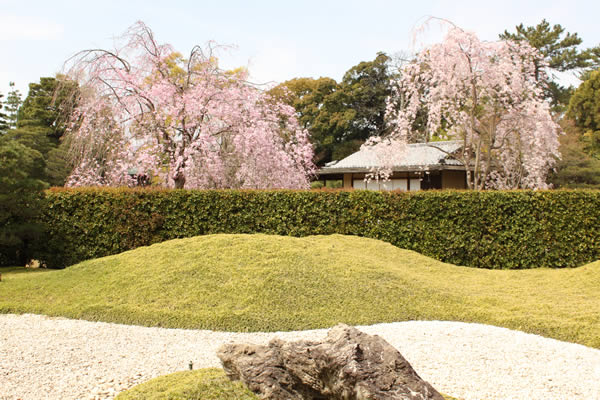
(422, 166)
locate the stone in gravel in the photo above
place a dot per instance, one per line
(347, 365)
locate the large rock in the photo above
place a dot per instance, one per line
(347, 365)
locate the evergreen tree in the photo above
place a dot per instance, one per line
(49, 105)
(322, 109)
(560, 52)
(584, 109)
(58, 165)
(575, 168)
(341, 116)
(12, 105)
(41, 124)
(367, 87)
(4, 126)
(19, 197)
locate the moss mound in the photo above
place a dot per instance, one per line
(269, 283)
(202, 384)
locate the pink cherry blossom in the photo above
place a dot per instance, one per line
(484, 94)
(180, 121)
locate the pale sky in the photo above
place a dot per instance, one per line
(277, 40)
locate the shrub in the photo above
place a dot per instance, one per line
(491, 229)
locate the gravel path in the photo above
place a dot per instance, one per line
(56, 358)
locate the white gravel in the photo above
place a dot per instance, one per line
(56, 358)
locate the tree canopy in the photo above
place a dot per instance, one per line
(341, 116)
(485, 95)
(42, 121)
(575, 168)
(559, 51)
(180, 122)
(321, 109)
(367, 87)
(11, 105)
(19, 191)
(3, 117)
(584, 109)
(49, 103)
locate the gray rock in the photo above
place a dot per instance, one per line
(347, 365)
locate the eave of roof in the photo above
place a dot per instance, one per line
(410, 168)
(417, 157)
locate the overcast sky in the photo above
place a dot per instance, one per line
(277, 40)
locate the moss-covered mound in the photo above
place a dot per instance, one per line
(269, 283)
(202, 384)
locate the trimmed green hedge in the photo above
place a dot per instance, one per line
(493, 229)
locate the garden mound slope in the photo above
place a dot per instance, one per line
(270, 283)
(206, 384)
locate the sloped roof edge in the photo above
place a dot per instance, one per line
(433, 155)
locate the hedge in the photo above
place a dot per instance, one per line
(490, 229)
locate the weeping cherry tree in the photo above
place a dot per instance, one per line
(180, 122)
(484, 95)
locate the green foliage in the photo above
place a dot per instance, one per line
(34, 137)
(49, 105)
(496, 229)
(575, 168)
(19, 201)
(322, 110)
(58, 165)
(367, 87)
(3, 117)
(41, 124)
(584, 108)
(278, 283)
(560, 52)
(12, 104)
(340, 116)
(203, 384)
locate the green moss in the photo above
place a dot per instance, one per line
(202, 384)
(270, 283)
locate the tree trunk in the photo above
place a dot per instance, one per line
(469, 179)
(179, 181)
(22, 254)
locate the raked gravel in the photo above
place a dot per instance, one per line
(56, 358)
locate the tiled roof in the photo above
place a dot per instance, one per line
(417, 155)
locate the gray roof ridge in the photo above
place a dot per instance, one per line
(420, 144)
(424, 154)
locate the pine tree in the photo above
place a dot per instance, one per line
(19, 197)
(584, 109)
(12, 104)
(41, 124)
(560, 51)
(3, 118)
